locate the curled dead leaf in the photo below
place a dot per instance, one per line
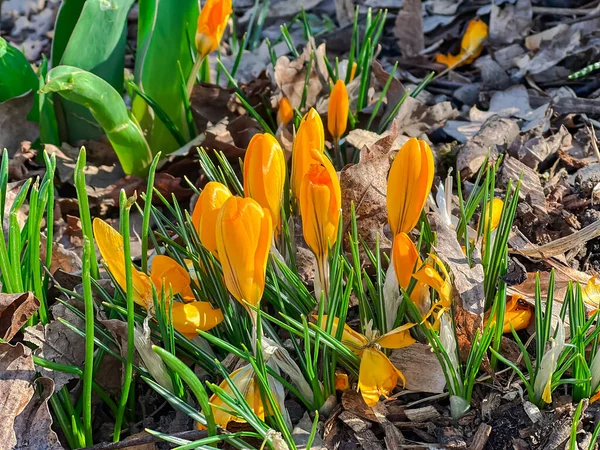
(15, 310)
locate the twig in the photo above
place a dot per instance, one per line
(560, 11)
(147, 439)
(592, 133)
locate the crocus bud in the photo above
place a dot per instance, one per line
(337, 115)
(310, 136)
(244, 236)
(205, 213)
(320, 203)
(264, 174)
(406, 259)
(211, 25)
(285, 113)
(409, 183)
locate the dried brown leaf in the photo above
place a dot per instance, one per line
(469, 296)
(17, 374)
(33, 427)
(414, 361)
(408, 28)
(15, 310)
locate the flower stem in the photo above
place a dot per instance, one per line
(338, 152)
(193, 74)
(322, 267)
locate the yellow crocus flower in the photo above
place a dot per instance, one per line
(285, 113)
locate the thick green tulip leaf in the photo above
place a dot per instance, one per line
(16, 75)
(108, 109)
(164, 29)
(96, 43)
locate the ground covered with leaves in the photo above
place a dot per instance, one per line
(425, 173)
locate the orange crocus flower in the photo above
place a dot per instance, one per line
(211, 25)
(471, 45)
(337, 114)
(409, 184)
(377, 375)
(310, 136)
(244, 236)
(285, 113)
(204, 217)
(165, 272)
(320, 203)
(264, 174)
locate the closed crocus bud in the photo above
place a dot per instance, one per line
(264, 174)
(409, 184)
(406, 259)
(285, 113)
(244, 236)
(320, 203)
(337, 115)
(204, 218)
(211, 25)
(310, 136)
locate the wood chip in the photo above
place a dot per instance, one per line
(423, 414)
(481, 437)
(531, 188)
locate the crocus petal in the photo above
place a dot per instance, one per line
(432, 278)
(397, 338)
(204, 217)
(244, 236)
(167, 270)
(243, 379)
(337, 115)
(377, 376)
(211, 25)
(341, 381)
(310, 136)
(320, 203)
(409, 184)
(285, 113)
(591, 291)
(406, 259)
(496, 213)
(471, 45)
(189, 317)
(354, 340)
(264, 174)
(110, 244)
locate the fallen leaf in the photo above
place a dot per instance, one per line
(57, 343)
(408, 28)
(15, 310)
(414, 361)
(14, 124)
(416, 119)
(365, 184)
(469, 296)
(290, 77)
(510, 22)
(33, 427)
(17, 374)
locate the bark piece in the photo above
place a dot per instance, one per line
(481, 437)
(424, 414)
(495, 133)
(531, 188)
